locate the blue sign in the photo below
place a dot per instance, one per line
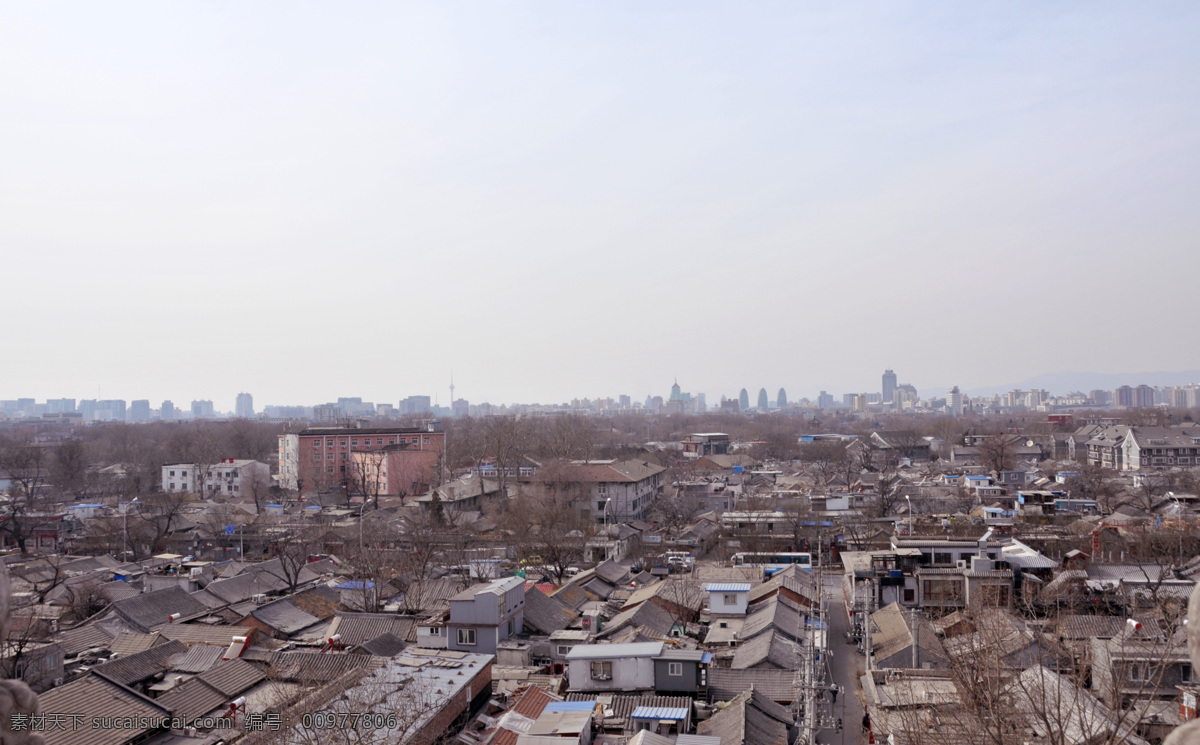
(229, 529)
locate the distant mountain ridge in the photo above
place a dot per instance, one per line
(1062, 383)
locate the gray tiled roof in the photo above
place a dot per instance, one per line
(314, 667)
(149, 610)
(384, 645)
(284, 616)
(211, 689)
(770, 649)
(752, 719)
(200, 633)
(357, 628)
(94, 696)
(142, 665)
(80, 638)
(724, 684)
(545, 614)
(199, 659)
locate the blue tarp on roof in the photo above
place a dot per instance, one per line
(570, 706)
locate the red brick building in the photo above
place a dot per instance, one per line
(321, 459)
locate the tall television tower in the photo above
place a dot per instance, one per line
(452, 390)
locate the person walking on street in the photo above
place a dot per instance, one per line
(866, 723)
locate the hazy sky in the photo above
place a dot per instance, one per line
(556, 199)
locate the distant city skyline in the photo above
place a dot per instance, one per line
(257, 403)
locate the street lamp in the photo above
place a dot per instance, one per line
(910, 514)
(125, 528)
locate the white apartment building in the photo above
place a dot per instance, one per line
(229, 477)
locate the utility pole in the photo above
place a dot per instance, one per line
(810, 680)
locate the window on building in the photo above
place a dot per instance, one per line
(1139, 672)
(1185, 673)
(391, 440)
(426, 440)
(466, 637)
(563, 650)
(328, 456)
(354, 442)
(172, 473)
(601, 670)
(730, 598)
(675, 669)
(172, 487)
(378, 440)
(910, 595)
(316, 443)
(342, 442)
(329, 469)
(329, 442)
(435, 630)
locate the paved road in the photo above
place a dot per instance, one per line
(846, 667)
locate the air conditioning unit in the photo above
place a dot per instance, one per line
(962, 564)
(259, 599)
(58, 681)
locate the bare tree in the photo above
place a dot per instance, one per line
(996, 452)
(823, 461)
(28, 465)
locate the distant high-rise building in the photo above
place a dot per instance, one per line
(824, 401)
(781, 399)
(203, 410)
(139, 410)
(701, 403)
(764, 403)
(954, 402)
(848, 399)
(416, 405)
(1143, 396)
(889, 387)
(1123, 397)
(626, 402)
(167, 411)
(60, 406)
(245, 406)
(110, 410)
(744, 400)
(87, 409)
(1100, 397)
(460, 408)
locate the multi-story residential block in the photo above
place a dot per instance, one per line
(484, 615)
(230, 477)
(203, 410)
(322, 458)
(610, 490)
(1124, 448)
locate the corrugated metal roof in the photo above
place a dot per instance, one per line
(659, 712)
(612, 651)
(727, 587)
